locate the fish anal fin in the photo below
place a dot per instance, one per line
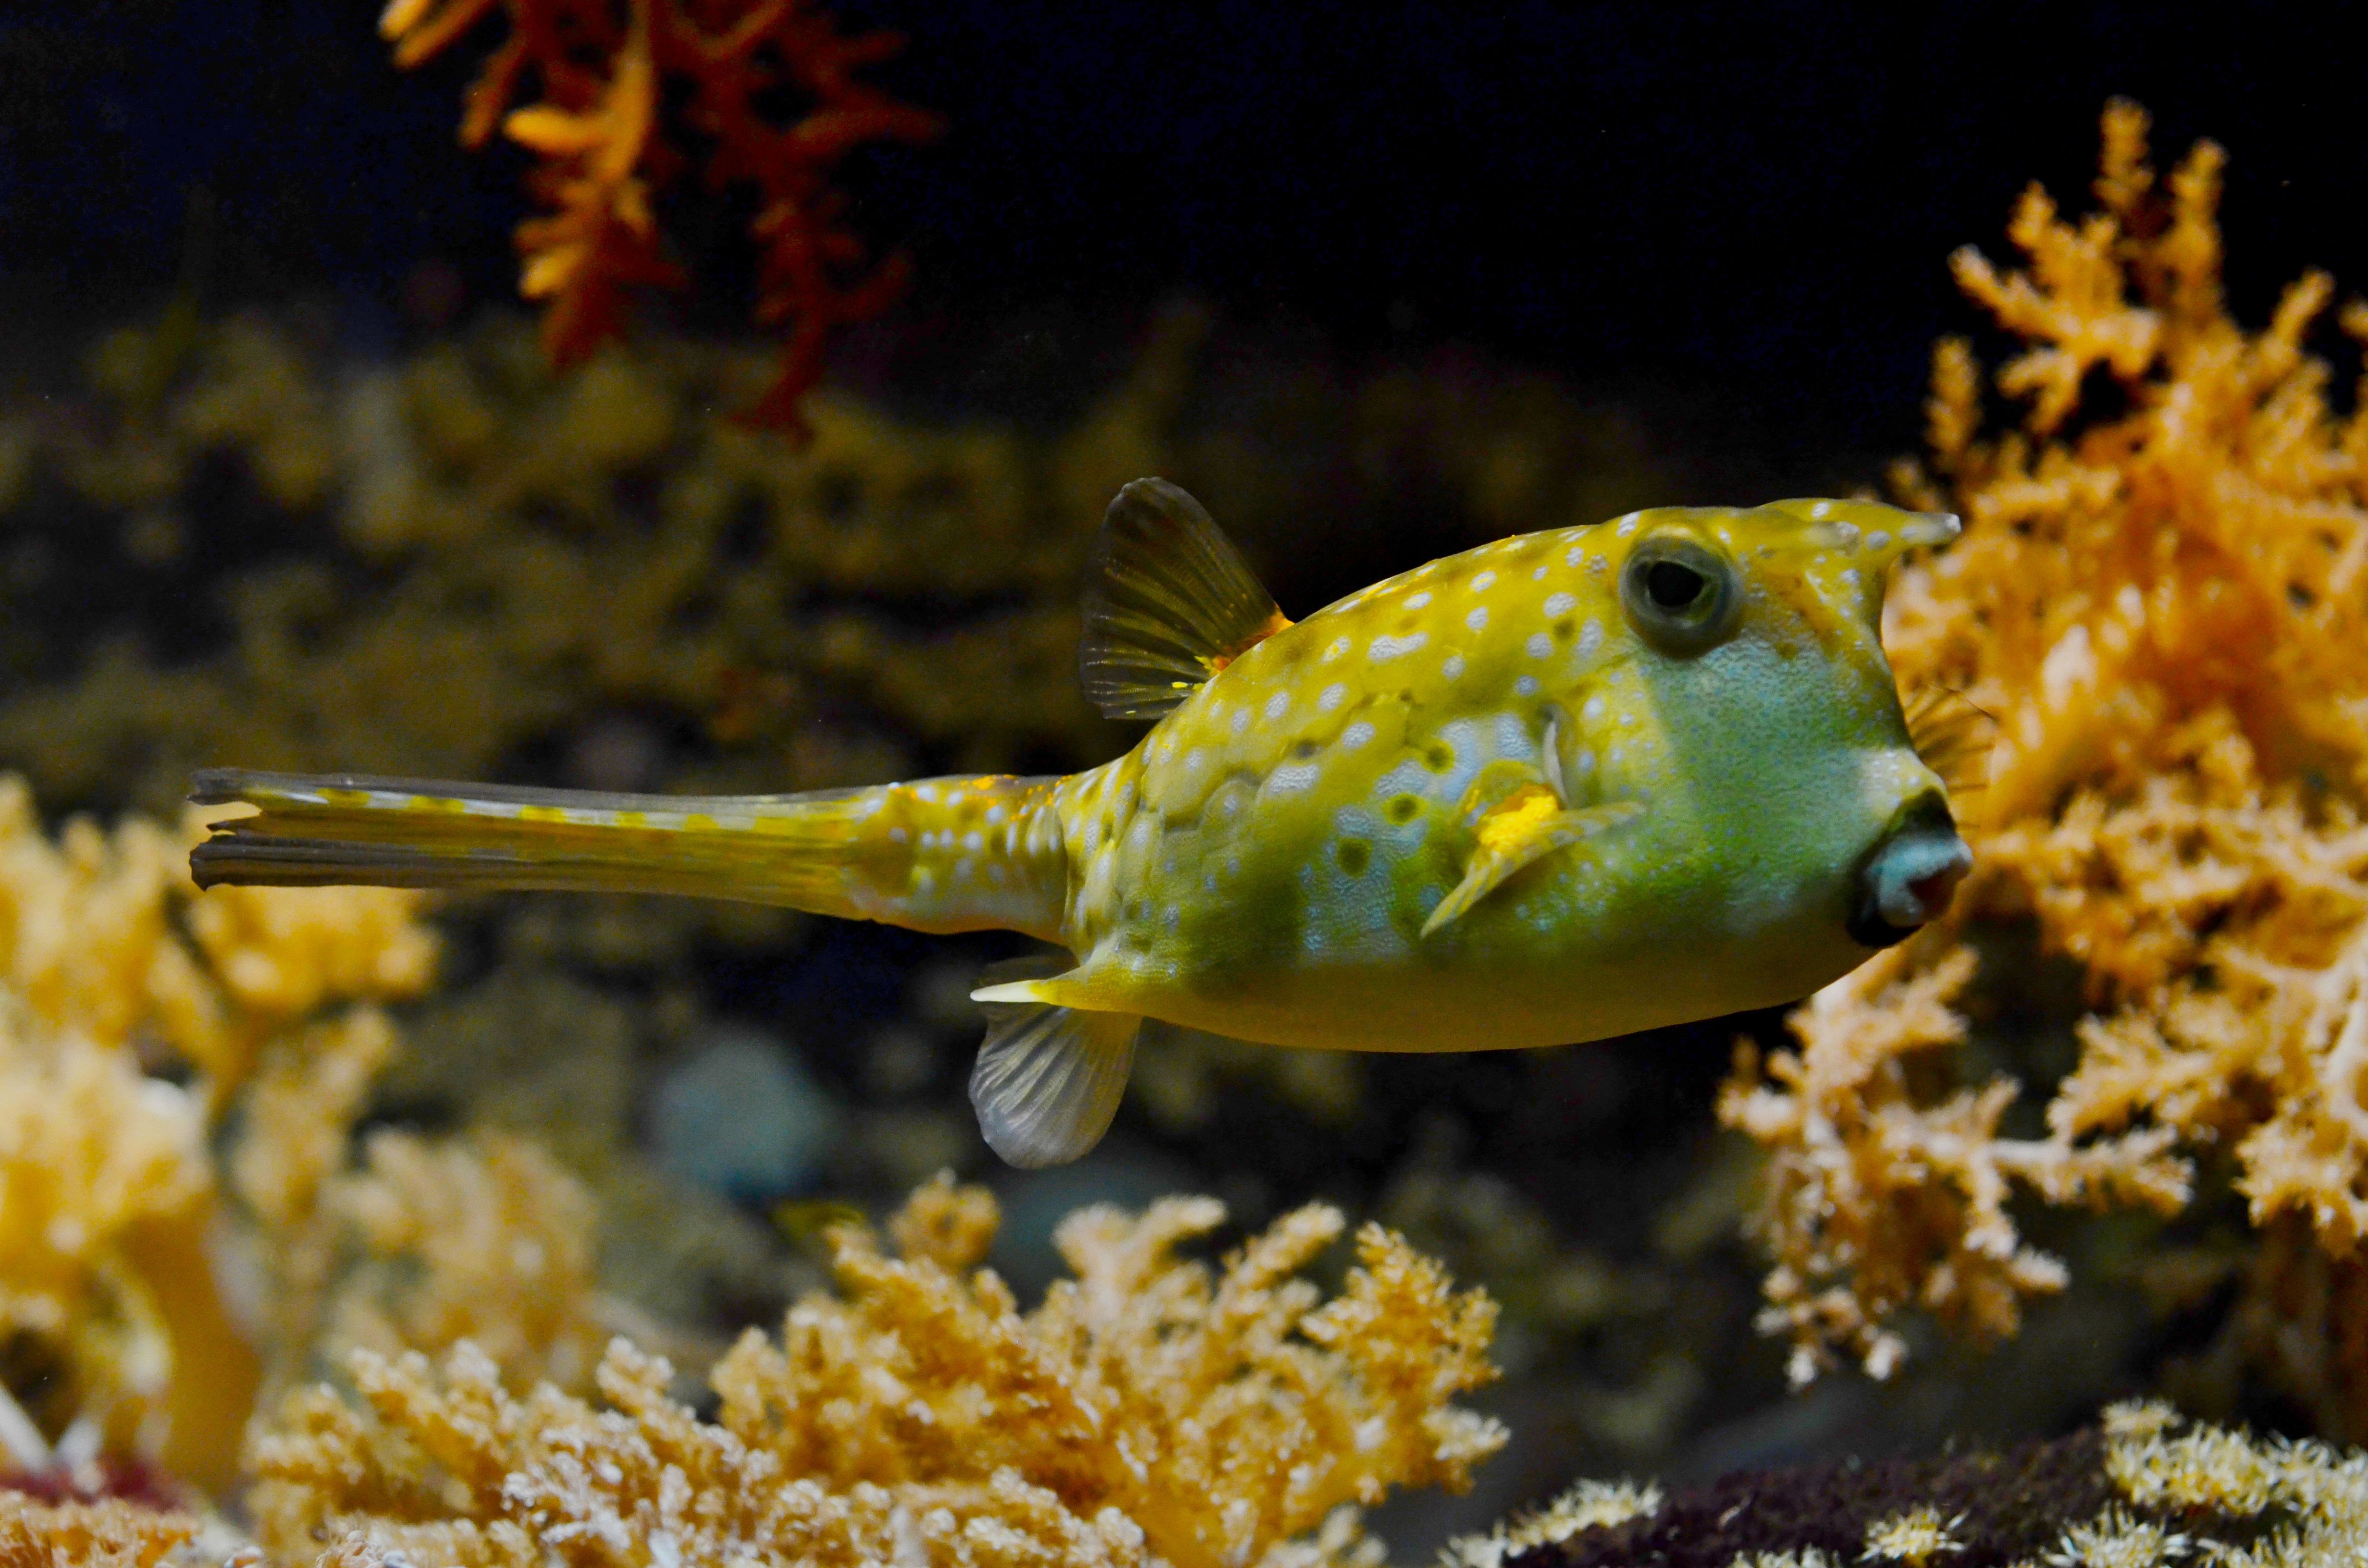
(1168, 603)
(1524, 825)
(1953, 736)
(1049, 1078)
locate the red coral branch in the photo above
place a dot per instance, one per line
(605, 70)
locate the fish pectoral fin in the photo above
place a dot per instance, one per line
(1049, 1078)
(1168, 603)
(1530, 823)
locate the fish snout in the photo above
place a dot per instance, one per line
(1906, 879)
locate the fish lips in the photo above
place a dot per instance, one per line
(1905, 881)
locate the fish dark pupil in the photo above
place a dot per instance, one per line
(1672, 587)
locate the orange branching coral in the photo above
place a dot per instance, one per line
(2164, 606)
(110, 1534)
(1875, 1200)
(1148, 1411)
(603, 75)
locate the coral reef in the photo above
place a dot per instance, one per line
(1147, 1410)
(716, 70)
(2160, 602)
(182, 1216)
(2144, 1490)
(113, 971)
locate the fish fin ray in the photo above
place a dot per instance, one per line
(1518, 830)
(1952, 735)
(1049, 1079)
(1169, 603)
(1024, 980)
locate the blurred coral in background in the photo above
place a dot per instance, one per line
(132, 1011)
(635, 96)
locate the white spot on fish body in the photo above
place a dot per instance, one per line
(1291, 780)
(1628, 526)
(974, 840)
(925, 791)
(1334, 649)
(1386, 648)
(1356, 735)
(1591, 638)
(1241, 721)
(1560, 604)
(1577, 553)
(1877, 539)
(1821, 509)
(1416, 601)
(897, 836)
(1538, 575)
(1593, 712)
(1526, 686)
(1277, 706)
(1454, 668)
(1196, 757)
(1331, 697)
(1582, 760)
(1539, 646)
(1479, 618)
(1480, 582)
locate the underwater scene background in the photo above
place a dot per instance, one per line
(784, 477)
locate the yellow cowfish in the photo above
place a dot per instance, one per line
(1560, 787)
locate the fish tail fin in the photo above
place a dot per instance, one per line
(916, 854)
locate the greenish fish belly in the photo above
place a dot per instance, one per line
(1285, 917)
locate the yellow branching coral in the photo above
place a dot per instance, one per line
(112, 1534)
(484, 1239)
(1149, 1410)
(91, 936)
(90, 1149)
(1588, 1505)
(2163, 604)
(112, 965)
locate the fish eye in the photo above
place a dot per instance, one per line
(1682, 597)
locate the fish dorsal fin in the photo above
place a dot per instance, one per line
(1168, 603)
(1049, 1078)
(1951, 735)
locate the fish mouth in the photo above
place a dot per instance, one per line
(1906, 879)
